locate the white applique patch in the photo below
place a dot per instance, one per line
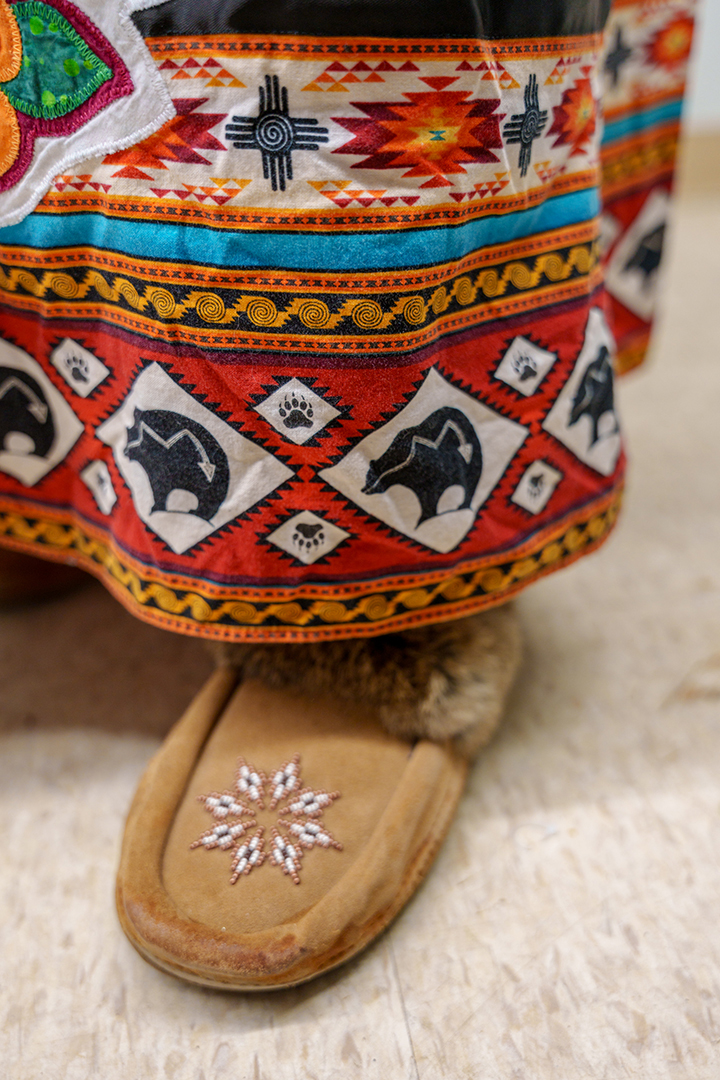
(130, 102)
(283, 790)
(632, 273)
(536, 486)
(296, 411)
(307, 537)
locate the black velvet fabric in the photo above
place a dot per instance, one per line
(490, 19)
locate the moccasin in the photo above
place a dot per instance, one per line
(274, 835)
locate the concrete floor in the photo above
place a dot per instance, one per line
(569, 929)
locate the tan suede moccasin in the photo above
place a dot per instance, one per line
(274, 835)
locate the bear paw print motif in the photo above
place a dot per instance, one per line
(78, 368)
(307, 536)
(525, 367)
(296, 412)
(297, 813)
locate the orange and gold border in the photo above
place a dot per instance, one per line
(640, 160)
(310, 611)
(311, 313)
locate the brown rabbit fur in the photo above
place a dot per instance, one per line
(445, 681)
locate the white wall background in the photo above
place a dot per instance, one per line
(703, 104)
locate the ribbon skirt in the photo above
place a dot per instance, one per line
(308, 328)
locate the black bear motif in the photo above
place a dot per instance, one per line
(647, 255)
(25, 416)
(441, 452)
(594, 396)
(179, 454)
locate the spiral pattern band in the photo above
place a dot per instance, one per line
(439, 300)
(210, 307)
(367, 315)
(332, 612)
(163, 302)
(243, 612)
(555, 268)
(376, 607)
(490, 282)
(520, 276)
(414, 310)
(289, 613)
(64, 285)
(464, 291)
(314, 314)
(261, 311)
(125, 289)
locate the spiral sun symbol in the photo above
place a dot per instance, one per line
(275, 133)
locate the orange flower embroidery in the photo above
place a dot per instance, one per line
(10, 63)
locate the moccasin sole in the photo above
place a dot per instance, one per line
(273, 836)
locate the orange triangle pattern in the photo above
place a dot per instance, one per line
(206, 67)
(342, 194)
(559, 72)
(223, 190)
(557, 75)
(494, 71)
(82, 182)
(487, 190)
(337, 78)
(546, 171)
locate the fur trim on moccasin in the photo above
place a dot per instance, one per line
(445, 681)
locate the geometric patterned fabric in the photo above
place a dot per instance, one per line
(330, 351)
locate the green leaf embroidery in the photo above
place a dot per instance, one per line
(59, 69)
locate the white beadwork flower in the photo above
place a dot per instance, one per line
(286, 792)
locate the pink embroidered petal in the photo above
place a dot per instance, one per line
(248, 856)
(223, 804)
(312, 803)
(223, 836)
(310, 834)
(285, 780)
(250, 782)
(286, 855)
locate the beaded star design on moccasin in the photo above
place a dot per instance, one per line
(398, 797)
(286, 795)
